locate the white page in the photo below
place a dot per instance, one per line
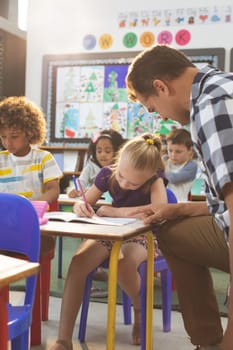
(100, 220)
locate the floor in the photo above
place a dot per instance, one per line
(175, 340)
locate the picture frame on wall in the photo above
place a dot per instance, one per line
(213, 56)
(85, 93)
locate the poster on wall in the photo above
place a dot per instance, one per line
(93, 97)
(88, 94)
(186, 16)
(83, 94)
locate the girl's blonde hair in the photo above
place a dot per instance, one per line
(143, 153)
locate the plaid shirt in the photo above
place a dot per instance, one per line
(211, 126)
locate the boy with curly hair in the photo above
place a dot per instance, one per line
(24, 168)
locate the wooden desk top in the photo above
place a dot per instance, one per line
(12, 269)
(64, 199)
(83, 230)
(199, 198)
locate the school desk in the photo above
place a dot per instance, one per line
(11, 270)
(118, 234)
(65, 202)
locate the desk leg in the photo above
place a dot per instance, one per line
(36, 315)
(3, 318)
(150, 291)
(112, 290)
(60, 247)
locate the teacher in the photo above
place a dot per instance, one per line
(194, 236)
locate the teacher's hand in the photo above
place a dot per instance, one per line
(161, 213)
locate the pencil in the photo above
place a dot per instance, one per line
(75, 182)
(83, 194)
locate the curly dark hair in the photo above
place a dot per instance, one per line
(19, 113)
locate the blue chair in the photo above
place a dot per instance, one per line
(160, 266)
(20, 237)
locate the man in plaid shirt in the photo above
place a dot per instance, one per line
(195, 235)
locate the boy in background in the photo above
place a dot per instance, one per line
(180, 169)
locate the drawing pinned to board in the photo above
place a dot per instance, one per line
(70, 121)
(68, 87)
(139, 120)
(67, 120)
(91, 83)
(91, 119)
(114, 83)
(164, 127)
(115, 116)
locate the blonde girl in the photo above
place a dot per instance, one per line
(135, 181)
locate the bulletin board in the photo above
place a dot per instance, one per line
(85, 93)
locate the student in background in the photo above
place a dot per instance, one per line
(180, 169)
(135, 180)
(24, 168)
(101, 152)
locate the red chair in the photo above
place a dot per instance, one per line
(45, 261)
(41, 305)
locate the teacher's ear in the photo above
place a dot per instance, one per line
(161, 87)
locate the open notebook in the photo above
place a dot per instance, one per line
(103, 220)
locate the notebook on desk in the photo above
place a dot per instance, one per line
(95, 219)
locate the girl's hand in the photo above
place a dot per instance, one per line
(81, 209)
(130, 212)
(104, 210)
(74, 193)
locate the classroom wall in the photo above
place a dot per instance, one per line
(60, 26)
